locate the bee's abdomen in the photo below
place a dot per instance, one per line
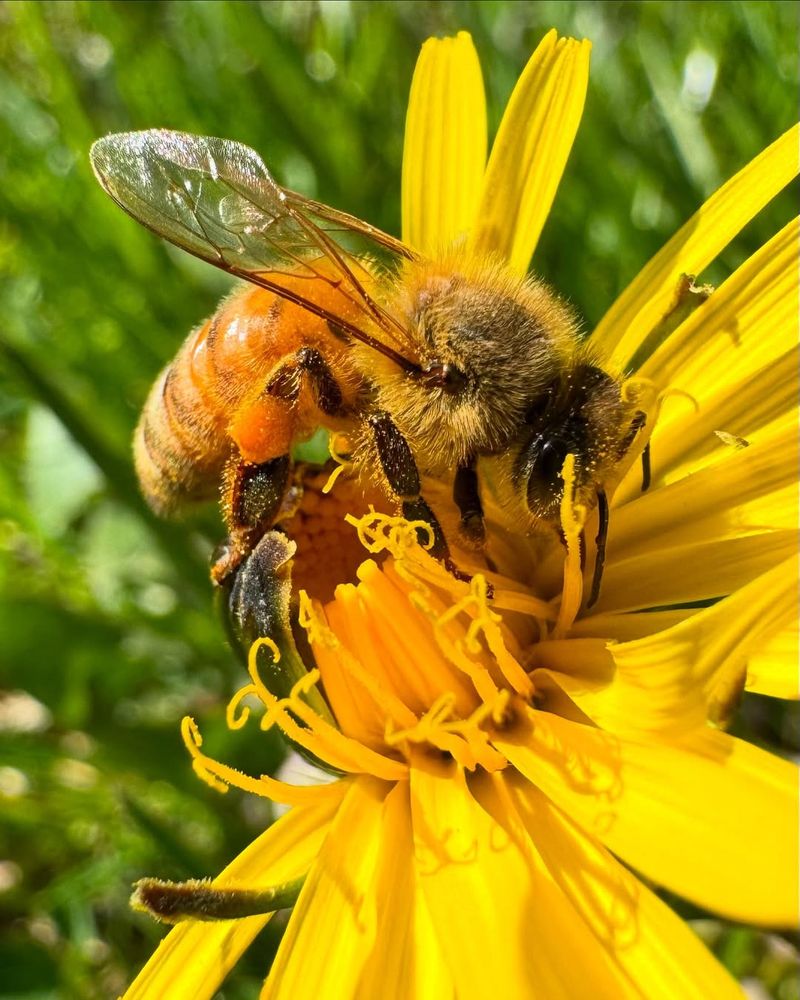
(181, 443)
(183, 438)
(179, 446)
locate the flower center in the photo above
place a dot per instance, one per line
(409, 660)
(328, 552)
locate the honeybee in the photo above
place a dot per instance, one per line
(449, 367)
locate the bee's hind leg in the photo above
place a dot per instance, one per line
(252, 496)
(253, 492)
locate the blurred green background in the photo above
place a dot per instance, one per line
(107, 635)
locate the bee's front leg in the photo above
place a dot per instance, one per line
(638, 422)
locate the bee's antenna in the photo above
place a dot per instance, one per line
(600, 544)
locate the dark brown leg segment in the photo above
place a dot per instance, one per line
(401, 472)
(600, 548)
(638, 422)
(254, 495)
(467, 499)
(257, 492)
(308, 363)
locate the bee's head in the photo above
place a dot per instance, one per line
(485, 343)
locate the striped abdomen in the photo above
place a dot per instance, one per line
(182, 441)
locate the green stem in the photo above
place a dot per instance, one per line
(171, 902)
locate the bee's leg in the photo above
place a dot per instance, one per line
(467, 498)
(600, 547)
(252, 497)
(646, 468)
(401, 471)
(638, 422)
(253, 491)
(308, 362)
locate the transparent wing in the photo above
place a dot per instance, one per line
(216, 199)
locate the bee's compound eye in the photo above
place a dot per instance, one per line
(552, 456)
(444, 376)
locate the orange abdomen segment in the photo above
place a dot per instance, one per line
(207, 402)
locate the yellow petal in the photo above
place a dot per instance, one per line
(444, 153)
(751, 413)
(745, 626)
(626, 627)
(507, 930)
(695, 571)
(407, 962)
(710, 532)
(361, 928)
(333, 924)
(773, 669)
(194, 958)
(531, 150)
(667, 684)
(734, 363)
(711, 818)
(732, 497)
(643, 303)
(746, 323)
(655, 952)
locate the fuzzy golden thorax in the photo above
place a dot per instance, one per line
(488, 345)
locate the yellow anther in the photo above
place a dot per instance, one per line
(192, 740)
(500, 706)
(386, 532)
(680, 394)
(330, 482)
(301, 687)
(341, 456)
(573, 517)
(312, 621)
(463, 739)
(237, 714)
(636, 388)
(252, 656)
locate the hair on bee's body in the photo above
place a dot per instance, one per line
(503, 338)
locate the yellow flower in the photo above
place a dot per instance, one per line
(498, 756)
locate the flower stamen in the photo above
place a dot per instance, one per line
(387, 532)
(316, 735)
(384, 698)
(463, 739)
(220, 777)
(573, 518)
(341, 457)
